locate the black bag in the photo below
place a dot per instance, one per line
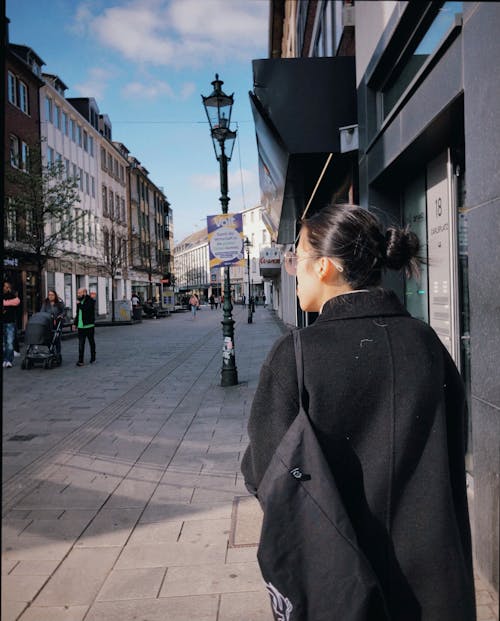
(308, 553)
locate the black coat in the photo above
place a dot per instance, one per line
(388, 410)
(87, 306)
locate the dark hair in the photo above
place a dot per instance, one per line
(355, 236)
(57, 300)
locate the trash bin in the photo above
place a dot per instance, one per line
(137, 313)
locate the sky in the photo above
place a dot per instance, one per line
(147, 62)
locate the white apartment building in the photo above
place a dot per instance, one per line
(69, 138)
(255, 230)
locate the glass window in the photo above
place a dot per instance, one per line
(111, 206)
(103, 158)
(91, 146)
(92, 183)
(419, 52)
(57, 116)
(67, 168)
(87, 183)
(415, 217)
(14, 151)
(64, 122)
(12, 89)
(72, 130)
(23, 97)
(79, 135)
(75, 172)
(85, 141)
(48, 109)
(50, 155)
(104, 200)
(81, 179)
(25, 153)
(110, 163)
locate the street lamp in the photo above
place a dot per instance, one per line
(248, 243)
(218, 107)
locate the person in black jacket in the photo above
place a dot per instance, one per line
(85, 323)
(10, 304)
(387, 407)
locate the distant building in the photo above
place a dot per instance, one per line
(192, 266)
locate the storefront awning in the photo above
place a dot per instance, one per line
(298, 105)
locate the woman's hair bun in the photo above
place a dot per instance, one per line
(402, 248)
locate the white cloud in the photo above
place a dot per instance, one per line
(156, 88)
(241, 182)
(96, 83)
(180, 32)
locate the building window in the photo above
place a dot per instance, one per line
(87, 183)
(92, 183)
(104, 200)
(72, 130)
(124, 217)
(81, 179)
(110, 163)
(48, 109)
(79, 135)
(23, 97)
(111, 206)
(420, 49)
(50, 156)
(103, 158)
(64, 123)
(85, 141)
(91, 146)
(14, 151)
(12, 89)
(67, 168)
(57, 117)
(75, 172)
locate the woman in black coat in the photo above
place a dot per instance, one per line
(363, 492)
(55, 307)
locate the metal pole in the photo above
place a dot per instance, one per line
(250, 315)
(229, 373)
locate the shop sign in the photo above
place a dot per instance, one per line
(11, 262)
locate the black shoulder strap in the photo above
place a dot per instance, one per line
(300, 365)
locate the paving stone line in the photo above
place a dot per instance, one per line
(18, 485)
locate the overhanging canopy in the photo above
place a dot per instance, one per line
(298, 105)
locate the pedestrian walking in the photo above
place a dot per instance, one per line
(211, 299)
(55, 307)
(264, 300)
(84, 322)
(357, 439)
(216, 302)
(10, 305)
(194, 303)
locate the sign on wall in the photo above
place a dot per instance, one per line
(225, 240)
(440, 231)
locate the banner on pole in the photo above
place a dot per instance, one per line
(225, 240)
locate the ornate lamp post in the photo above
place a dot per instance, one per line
(218, 107)
(248, 243)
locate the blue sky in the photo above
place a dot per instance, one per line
(146, 62)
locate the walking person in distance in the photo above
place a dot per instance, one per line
(84, 322)
(194, 303)
(357, 438)
(55, 307)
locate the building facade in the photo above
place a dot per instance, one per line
(418, 145)
(23, 78)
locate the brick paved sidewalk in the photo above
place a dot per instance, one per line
(122, 497)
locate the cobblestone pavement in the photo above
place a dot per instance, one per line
(122, 497)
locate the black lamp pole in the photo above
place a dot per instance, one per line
(248, 243)
(218, 107)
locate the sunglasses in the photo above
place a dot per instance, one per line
(290, 261)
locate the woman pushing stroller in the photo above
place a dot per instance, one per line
(55, 307)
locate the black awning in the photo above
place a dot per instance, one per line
(298, 105)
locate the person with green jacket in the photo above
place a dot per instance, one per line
(84, 322)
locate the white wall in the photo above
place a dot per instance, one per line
(371, 19)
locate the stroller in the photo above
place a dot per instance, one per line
(41, 338)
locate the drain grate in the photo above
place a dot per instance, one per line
(25, 438)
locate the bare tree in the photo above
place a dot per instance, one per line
(40, 208)
(114, 259)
